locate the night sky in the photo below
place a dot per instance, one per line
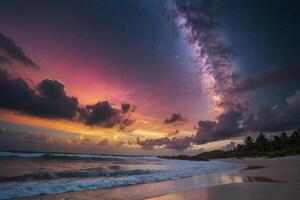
(146, 76)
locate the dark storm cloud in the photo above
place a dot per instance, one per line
(4, 59)
(179, 143)
(15, 93)
(51, 89)
(265, 119)
(232, 124)
(50, 100)
(125, 107)
(54, 102)
(10, 51)
(102, 114)
(175, 117)
(272, 77)
(278, 118)
(227, 125)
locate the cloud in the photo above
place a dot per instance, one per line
(277, 118)
(235, 123)
(126, 107)
(176, 132)
(32, 141)
(52, 100)
(175, 117)
(265, 119)
(273, 77)
(102, 114)
(283, 117)
(227, 125)
(49, 100)
(10, 51)
(84, 139)
(103, 142)
(149, 144)
(51, 89)
(126, 144)
(175, 143)
(179, 143)
(4, 59)
(126, 124)
(229, 146)
(40, 141)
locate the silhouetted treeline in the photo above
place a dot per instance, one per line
(278, 145)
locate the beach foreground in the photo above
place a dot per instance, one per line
(277, 178)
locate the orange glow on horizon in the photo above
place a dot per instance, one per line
(146, 127)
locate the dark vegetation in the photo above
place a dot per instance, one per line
(278, 145)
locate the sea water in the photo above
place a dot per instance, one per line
(28, 174)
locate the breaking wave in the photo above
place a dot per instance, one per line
(103, 176)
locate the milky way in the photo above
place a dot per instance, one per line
(195, 21)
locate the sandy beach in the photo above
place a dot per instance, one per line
(277, 178)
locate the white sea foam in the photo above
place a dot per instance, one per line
(175, 169)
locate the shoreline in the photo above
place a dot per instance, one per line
(258, 178)
(265, 178)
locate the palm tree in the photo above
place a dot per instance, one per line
(249, 143)
(261, 143)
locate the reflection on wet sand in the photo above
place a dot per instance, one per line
(251, 167)
(276, 179)
(204, 194)
(261, 179)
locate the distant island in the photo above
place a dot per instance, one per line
(276, 146)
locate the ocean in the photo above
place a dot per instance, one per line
(25, 174)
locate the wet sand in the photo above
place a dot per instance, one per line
(277, 178)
